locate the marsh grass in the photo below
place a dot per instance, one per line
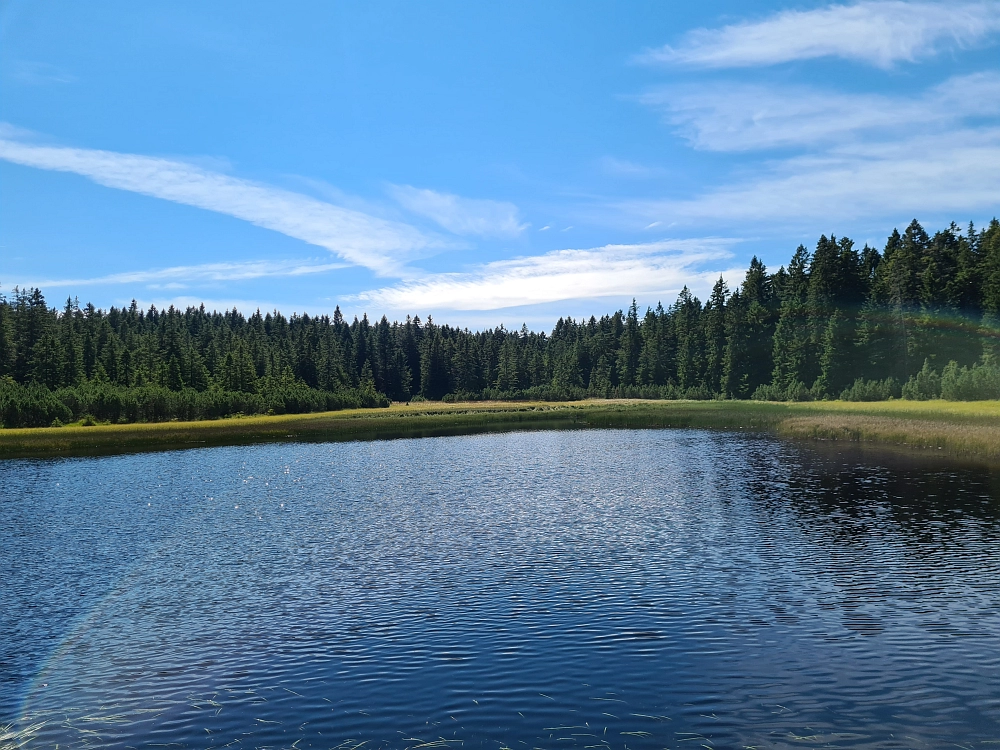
(961, 429)
(958, 439)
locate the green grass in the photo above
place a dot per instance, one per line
(962, 429)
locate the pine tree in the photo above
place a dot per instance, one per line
(736, 365)
(172, 377)
(690, 342)
(630, 347)
(566, 376)
(714, 318)
(31, 321)
(508, 372)
(600, 378)
(989, 252)
(46, 361)
(433, 363)
(7, 355)
(791, 348)
(759, 320)
(836, 371)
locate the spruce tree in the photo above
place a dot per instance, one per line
(792, 333)
(46, 361)
(630, 347)
(736, 365)
(6, 340)
(714, 321)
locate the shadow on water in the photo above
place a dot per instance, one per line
(917, 489)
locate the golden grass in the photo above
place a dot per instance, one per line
(962, 429)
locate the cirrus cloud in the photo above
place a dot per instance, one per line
(877, 33)
(177, 276)
(744, 117)
(359, 238)
(923, 175)
(609, 271)
(460, 215)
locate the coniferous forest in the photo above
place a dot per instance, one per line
(918, 319)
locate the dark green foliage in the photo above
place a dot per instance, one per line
(29, 405)
(836, 323)
(795, 391)
(127, 365)
(872, 390)
(792, 349)
(924, 385)
(976, 383)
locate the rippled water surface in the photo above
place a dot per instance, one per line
(625, 589)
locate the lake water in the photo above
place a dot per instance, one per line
(585, 589)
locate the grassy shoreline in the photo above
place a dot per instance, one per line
(969, 430)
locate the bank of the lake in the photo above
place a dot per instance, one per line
(968, 430)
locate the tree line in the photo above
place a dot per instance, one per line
(918, 319)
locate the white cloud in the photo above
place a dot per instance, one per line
(34, 73)
(659, 268)
(738, 117)
(358, 238)
(625, 168)
(178, 276)
(459, 215)
(878, 33)
(922, 175)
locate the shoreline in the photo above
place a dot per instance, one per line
(964, 430)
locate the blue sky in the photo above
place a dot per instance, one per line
(487, 163)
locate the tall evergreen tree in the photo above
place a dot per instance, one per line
(714, 318)
(792, 335)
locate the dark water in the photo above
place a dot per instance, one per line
(624, 589)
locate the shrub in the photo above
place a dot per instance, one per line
(30, 405)
(95, 401)
(872, 390)
(978, 383)
(797, 391)
(925, 385)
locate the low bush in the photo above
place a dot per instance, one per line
(35, 405)
(30, 405)
(872, 390)
(797, 391)
(980, 382)
(925, 385)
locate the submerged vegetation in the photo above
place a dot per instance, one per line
(918, 320)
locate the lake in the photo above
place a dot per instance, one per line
(581, 589)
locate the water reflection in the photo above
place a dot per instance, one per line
(587, 589)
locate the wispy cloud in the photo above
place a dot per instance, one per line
(878, 33)
(176, 276)
(612, 271)
(360, 239)
(464, 216)
(625, 168)
(924, 175)
(740, 117)
(33, 73)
